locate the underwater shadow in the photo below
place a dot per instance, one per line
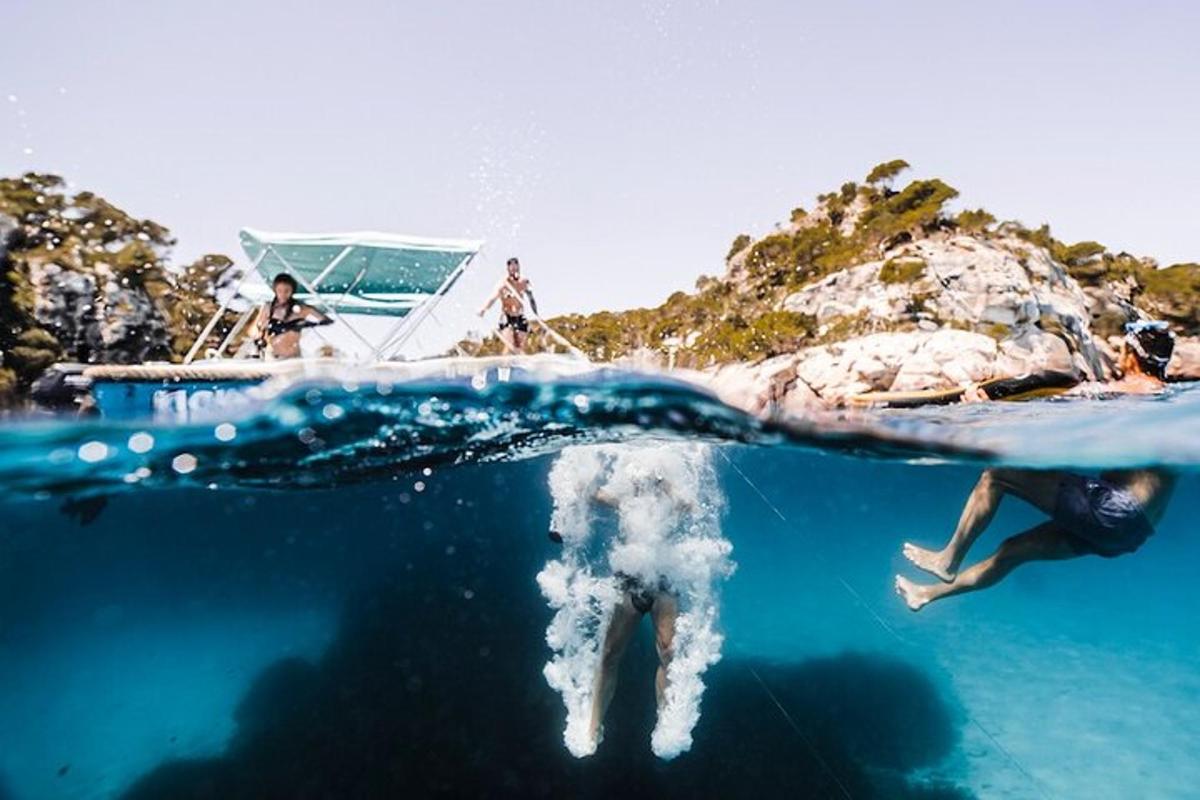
(385, 713)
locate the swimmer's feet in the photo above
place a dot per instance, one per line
(936, 563)
(914, 595)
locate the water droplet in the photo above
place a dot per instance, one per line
(183, 463)
(225, 432)
(419, 486)
(91, 452)
(141, 442)
(332, 411)
(427, 472)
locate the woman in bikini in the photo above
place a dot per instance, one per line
(277, 329)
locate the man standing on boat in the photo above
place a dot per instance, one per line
(277, 329)
(512, 292)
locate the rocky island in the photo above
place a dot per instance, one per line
(876, 288)
(885, 289)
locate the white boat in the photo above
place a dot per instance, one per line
(359, 280)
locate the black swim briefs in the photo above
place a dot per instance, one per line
(1100, 517)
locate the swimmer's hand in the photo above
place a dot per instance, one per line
(974, 393)
(555, 537)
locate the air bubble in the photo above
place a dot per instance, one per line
(183, 463)
(91, 452)
(141, 442)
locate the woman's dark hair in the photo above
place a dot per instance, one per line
(1152, 346)
(283, 277)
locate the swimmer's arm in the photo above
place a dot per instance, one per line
(492, 299)
(532, 301)
(974, 393)
(260, 323)
(311, 313)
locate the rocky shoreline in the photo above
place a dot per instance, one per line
(873, 290)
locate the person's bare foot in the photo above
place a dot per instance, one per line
(933, 562)
(915, 595)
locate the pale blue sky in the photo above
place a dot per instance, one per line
(616, 147)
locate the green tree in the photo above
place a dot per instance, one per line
(885, 173)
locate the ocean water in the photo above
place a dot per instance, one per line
(349, 591)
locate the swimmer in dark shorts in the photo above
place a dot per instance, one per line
(637, 600)
(1107, 516)
(514, 293)
(519, 323)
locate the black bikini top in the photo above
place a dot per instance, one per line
(275, 327)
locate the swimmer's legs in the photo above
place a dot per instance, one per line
(1038, 488)
(664, 614)
(1046, 542)
(506, 336)
(519, 338)
(620, 630)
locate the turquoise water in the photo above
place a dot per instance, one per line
(336, 595)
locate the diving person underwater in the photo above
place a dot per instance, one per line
(653, 513)
(1110, 515)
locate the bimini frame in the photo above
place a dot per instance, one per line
(417, 308)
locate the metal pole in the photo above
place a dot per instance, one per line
(236, 329)
(394, 340)
(212, 323)
(317, 297)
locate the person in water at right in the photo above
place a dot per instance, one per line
(1142, 363)
(1107, 516)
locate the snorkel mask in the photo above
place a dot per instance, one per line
(1152, 341)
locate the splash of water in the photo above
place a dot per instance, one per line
(667, 506)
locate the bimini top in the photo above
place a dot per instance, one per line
(361, 273)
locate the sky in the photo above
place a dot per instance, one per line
(618, 147)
